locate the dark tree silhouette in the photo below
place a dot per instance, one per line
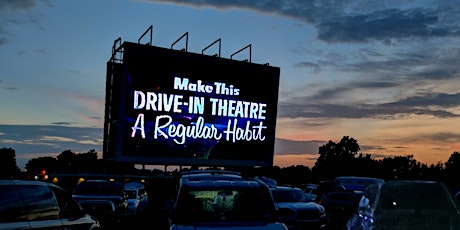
(400, 167)
(69, 162)
(36, 165)
(452, 170)
(65, 160)
(336, 158)
(297, 176)
(87, 162)
(8, 166)
(432, 172)
(365, 166)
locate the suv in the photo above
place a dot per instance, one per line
(104, 199)
(28, 204)
(218, 199)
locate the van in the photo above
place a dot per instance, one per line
(28, 204)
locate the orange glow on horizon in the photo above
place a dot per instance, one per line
(284, 161)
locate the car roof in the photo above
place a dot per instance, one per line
(342, 194)
(218, 179)
(357, 178)
(134, 185)
(26, 182)
(90, 183)
(96, 181)
(210, 173)
(413, 182)
(345, 180)
(285, 188)
(100, 182)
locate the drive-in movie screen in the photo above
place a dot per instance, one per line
(172, 107)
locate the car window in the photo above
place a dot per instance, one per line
(40, 202)
(142, 192)
(288, 196)
(65, 202)
(434, 196)
(209, 205)
(11, 205)
(99, 188)
(342, 196)
(132, 194)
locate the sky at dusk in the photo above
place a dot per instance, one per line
(386, 73)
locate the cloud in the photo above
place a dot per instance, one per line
(32, 141)
(356, 21)
(15, 14)
(383, 25)
(438, 137)
(433, 104)
(64, 123)
(402, 46)
(291, 147)
(414, 62)
(315, 67)
(429, 99)
(14, 6)
(49, 139)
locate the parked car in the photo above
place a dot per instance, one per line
(40, 205)
(457, 198)
(296, 210)
(310, 190)
(407, 204)
(340, 207)
(325, 187)
(218, 199)
(104, 199)
(137, 197)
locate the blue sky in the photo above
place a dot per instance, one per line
(386, 73)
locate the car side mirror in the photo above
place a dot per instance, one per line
(364, 202)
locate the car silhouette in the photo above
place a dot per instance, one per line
(407, 204)
(26, 204)
(296, 209)
(218, 199)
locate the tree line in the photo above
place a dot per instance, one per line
(67, 162)
(334, 159)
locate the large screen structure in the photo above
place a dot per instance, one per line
(171, 107)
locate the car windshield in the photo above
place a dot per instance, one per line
(98, 188)
(224, 205)
(132, 194)
(288, 195)
(409, 196)
(343, 196)
(415, 205)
